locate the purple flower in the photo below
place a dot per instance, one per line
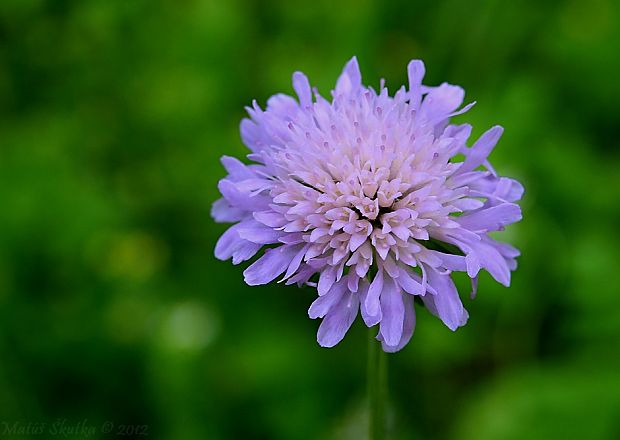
(362, 197)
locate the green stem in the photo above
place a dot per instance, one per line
(377, 388)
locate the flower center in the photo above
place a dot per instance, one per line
(374, 218)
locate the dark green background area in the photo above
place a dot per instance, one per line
(113, 116)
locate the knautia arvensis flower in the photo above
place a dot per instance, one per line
(364, 198)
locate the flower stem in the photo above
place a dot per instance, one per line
(377, 388)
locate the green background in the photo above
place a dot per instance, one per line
(113, 116)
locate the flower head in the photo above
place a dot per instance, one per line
(363, 197)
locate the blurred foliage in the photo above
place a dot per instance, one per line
(113, 115)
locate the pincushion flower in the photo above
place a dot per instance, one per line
(363, 197)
